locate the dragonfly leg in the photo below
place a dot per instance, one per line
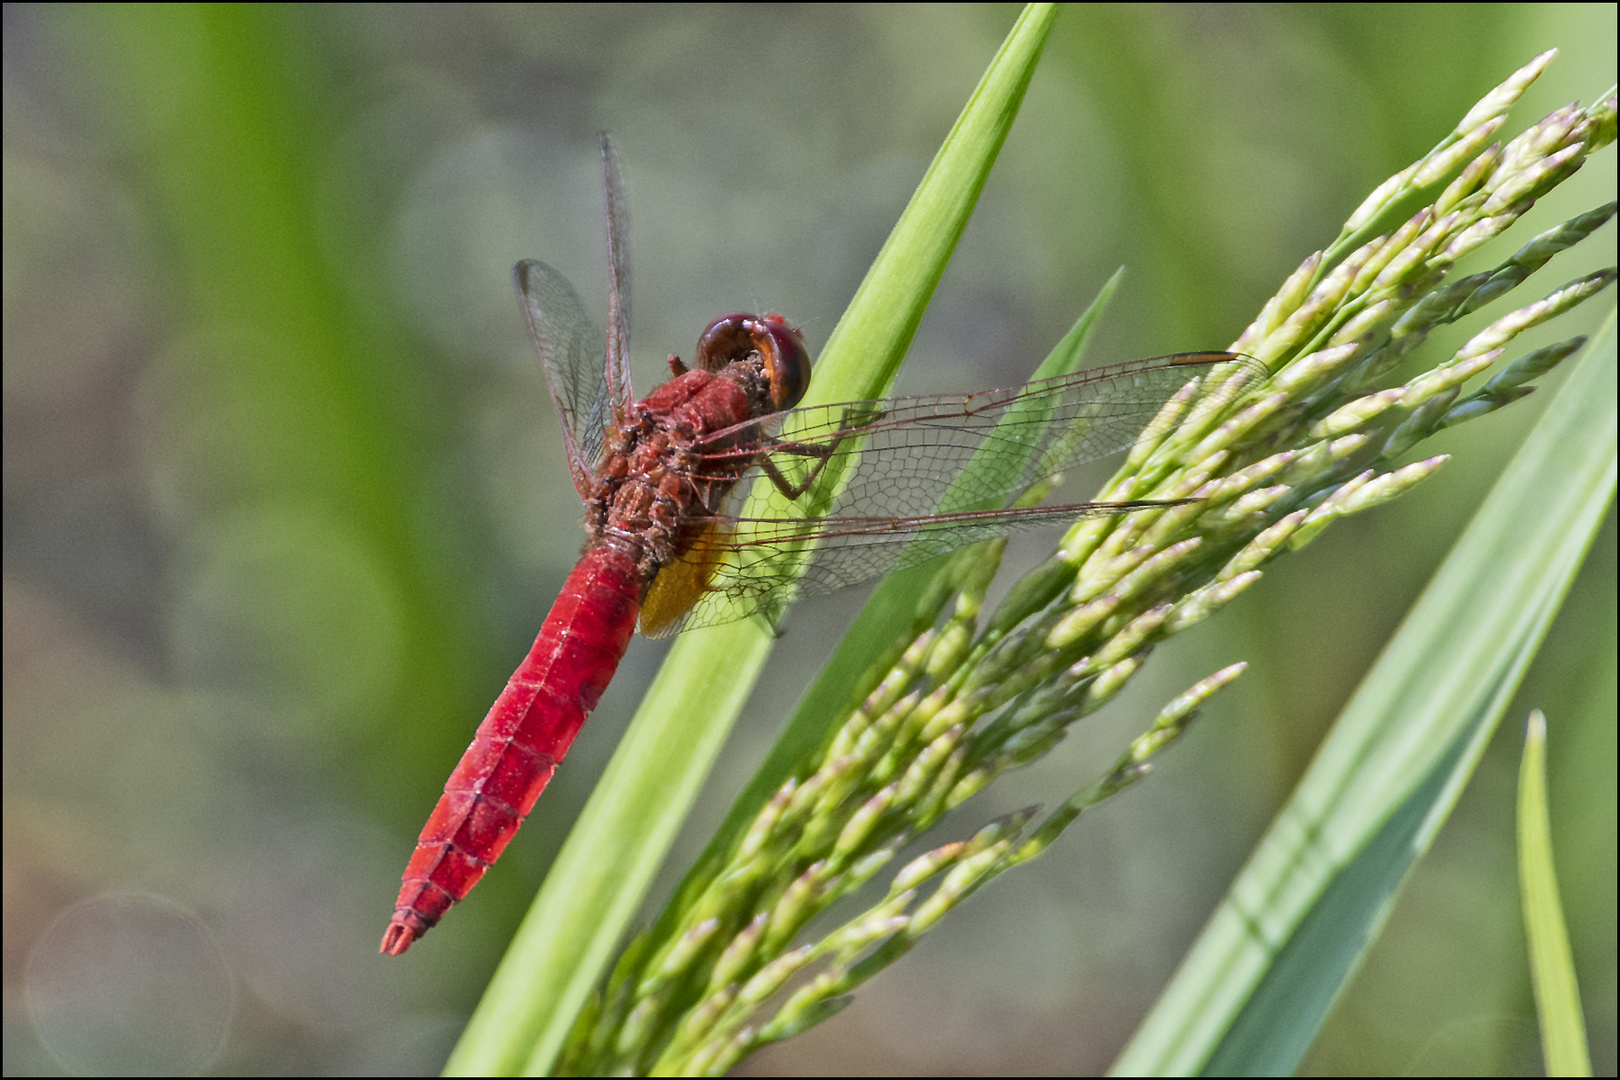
(854, 419)
(788, 487)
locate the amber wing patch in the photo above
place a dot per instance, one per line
(681, 584)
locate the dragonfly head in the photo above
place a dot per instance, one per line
(783, 356)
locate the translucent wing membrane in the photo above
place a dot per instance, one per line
(927, 475)
(617, 376)
(571, 352)
(589, 383)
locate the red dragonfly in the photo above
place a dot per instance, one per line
(658, 477)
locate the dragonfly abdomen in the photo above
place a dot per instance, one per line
(522, 740)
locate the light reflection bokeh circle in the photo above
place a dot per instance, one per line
(129, 985)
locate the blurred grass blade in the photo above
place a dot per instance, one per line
(600, 876)
(1552, 966)
(1253, 992)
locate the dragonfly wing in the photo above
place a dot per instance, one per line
(617, 375)
(739, 570)
(906, 457)
(928, 475)
(589, 382)
(570, 349)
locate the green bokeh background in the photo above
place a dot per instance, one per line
(285, 502)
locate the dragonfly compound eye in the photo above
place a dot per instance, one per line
(727, 339)
(785, 360)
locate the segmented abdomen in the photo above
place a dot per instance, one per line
(522, 740)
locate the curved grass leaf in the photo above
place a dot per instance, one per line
(1253, 992)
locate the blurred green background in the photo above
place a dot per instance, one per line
(285, 501)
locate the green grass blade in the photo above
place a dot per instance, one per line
(1552, 965)
(1253, 992)
(604, 869)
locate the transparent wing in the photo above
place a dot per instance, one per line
(570, 349)
(589, 383)
(928, 475)
(619, 391)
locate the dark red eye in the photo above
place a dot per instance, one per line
(725, 340)
(787, 362)
(781, 347)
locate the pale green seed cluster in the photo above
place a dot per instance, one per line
(1268, 458)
